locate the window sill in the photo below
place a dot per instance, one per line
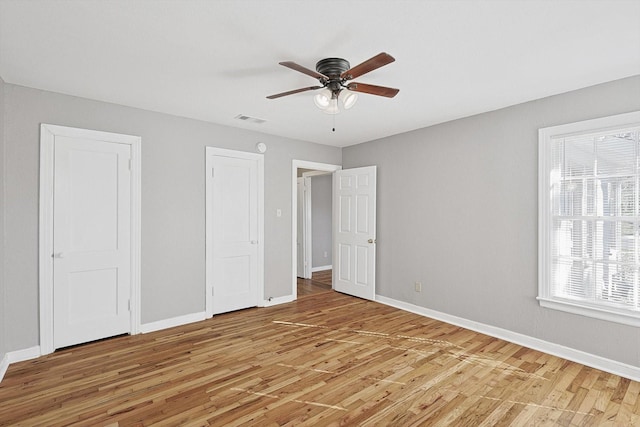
(588, 311)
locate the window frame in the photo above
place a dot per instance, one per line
(545, 216)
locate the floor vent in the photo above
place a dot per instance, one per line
(250, 119)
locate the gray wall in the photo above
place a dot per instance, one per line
(173, 221)
(3, 348)
(321, 220)
(457, 210)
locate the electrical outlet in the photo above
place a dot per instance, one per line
(278, 213)
(418, 286)
(326, 254)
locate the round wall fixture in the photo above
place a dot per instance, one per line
(261, 147)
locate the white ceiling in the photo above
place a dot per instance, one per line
(213, 60)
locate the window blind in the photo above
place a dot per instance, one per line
(595, 218)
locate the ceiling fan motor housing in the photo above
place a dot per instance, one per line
(333, 68)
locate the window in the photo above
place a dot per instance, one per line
(589, 218)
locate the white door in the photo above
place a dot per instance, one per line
(304, 227)
(300, 236)
(91, 240)
(354, 231)
(233, 207)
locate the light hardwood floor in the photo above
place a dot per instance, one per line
(326, 359)
(320, 282)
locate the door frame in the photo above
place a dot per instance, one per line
(48, 133)
(295, 165)
(214, 151)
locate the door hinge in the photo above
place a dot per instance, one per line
(129, 164)
(212, 173)
(129, 305)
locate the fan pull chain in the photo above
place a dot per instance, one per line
(334, 123)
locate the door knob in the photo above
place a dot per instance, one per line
(58, 255)
(372, 240)
(254, 242)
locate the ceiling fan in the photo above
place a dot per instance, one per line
(334, 75)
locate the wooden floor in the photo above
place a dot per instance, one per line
(326, 359)
(320, 282)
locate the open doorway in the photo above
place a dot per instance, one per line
(304, 262)
(314, 246)
(314, 239)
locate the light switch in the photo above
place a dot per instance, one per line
(278, 212)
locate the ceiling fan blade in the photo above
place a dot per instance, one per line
(371, 64)
(291, 92)
(389, 92)
(304, 70)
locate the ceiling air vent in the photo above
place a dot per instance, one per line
(250, 119)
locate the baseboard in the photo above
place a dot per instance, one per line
(4, 365)
(172, 322)
(18, 356)
(578, 356)
(24, 354)
(279, 300)
(321, 268)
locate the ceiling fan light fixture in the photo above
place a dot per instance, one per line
(323, 99)
(348, 98)
(333, 107)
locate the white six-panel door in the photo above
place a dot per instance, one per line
(354, 224)
(92, 240)
(234, 246)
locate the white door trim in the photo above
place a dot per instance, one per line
(213, 151)
(302, 164)
(47, 138)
